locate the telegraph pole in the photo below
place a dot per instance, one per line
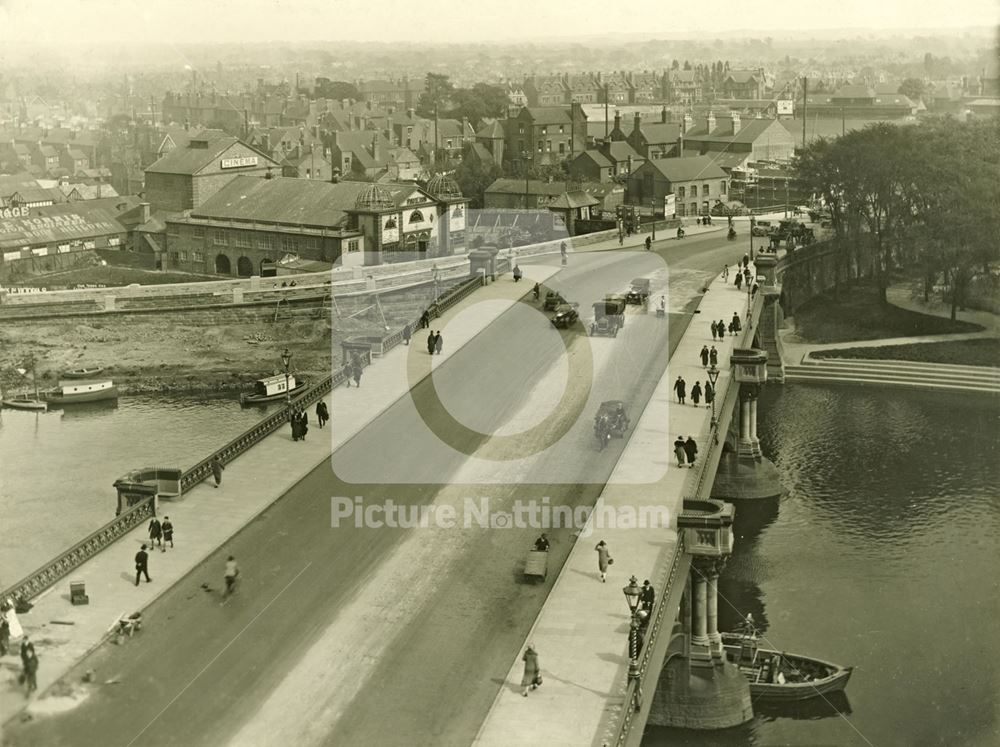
(805, 93)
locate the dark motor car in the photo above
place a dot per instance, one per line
(638, 293)
(566, 314)
(553, 299)
(609, 316)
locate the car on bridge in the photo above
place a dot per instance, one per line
(566, 314)
(762, 228)
(638, 292)
(553, 299)
(609, 316)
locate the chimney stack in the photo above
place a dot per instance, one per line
(711, 122)
(145, 211)
(736, 122)
(688, 123)
(636, 122)
(618, 120)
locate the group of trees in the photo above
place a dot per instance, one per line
(441, 98)
(926, 196)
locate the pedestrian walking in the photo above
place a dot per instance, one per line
(406, 335)
(29, 666)
(691, 450)
(715, 331)
(649, 243)
(27, 648)
(747, 276)
(322, 413)
(142, 565)
(231, 574)
(356, 370)
(647, 596)
(4, 631)
(679, 451)
(431, 339)
(722, 331)
(217, 469)
(425, 320)
(709, 394)
(293, 419)
(155, 532)
(746, 261)
(532, 677)
(681, 388)
(737, 325)
(713, 355)
(704, 355)
(303, 424)
(753, 290)
(725, 272)
(168, 533)
(739, 281)
(438, 343)
(603, 559)
(696, 394)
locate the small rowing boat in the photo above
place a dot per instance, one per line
(83, 373)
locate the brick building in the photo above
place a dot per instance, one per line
(743, 84)
(254, 221)
(545, 135)
(696, 184)
(758, 139)
(186, 177)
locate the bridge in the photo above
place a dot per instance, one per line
(579, 611)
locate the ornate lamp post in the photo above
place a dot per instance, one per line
(632, 597)
(652, 216)
(435, 274)
(286, 360)
(713, 377)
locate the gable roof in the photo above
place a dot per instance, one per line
(574, 199)
(660, 132)
(547, 114)
(517, 186)
(202, 149)
(595, 157)
(854, 92)
(491, 131)
(687, 169)
(742, 76)
(63, 222)
(620, 150)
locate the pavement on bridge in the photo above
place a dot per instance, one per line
(206, 517)
(581, 633)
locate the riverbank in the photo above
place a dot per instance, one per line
(197, 352)
(970, 352)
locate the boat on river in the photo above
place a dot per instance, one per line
(779, 676)
(72, 392)
(83, 373)
(272, 389)
(24, 401)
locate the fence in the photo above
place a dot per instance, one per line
(41, 579)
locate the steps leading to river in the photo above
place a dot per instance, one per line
(941, 376)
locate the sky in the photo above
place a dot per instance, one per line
(54, 22)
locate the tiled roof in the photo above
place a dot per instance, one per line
(549, 114)
(574, 199)
(660, 132)
(741, 76)
(596, 157)
(492, 131)
(687, 169)
(191, 160)
(619, 150)
(86, 220)
(854, 92)
(517, 186)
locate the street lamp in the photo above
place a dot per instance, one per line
(749, 301)
(286, 360)
(652, 215)
(632, 597)
(434, 277)
(713, 377)
(526, 157)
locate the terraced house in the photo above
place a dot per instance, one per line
(545, 134)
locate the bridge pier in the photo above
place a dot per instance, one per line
(698, 687)
(744, 473)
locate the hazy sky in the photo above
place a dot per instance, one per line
(60, 21)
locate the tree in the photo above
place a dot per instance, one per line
(675, 65)
(479, 102)
(436, 96)
(338, 90)
(687, 65)
(473, 176)
(913, 88)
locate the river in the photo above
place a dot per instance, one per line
(57, 468)
(882, 553)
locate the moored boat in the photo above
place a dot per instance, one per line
(68, 393)
(272, 389)
(779, 676)
(24, 402)
(83, 373)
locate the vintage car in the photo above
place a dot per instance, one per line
(553, 299)
(638, 293)
(610, 420)
(566, 314)
(762, 228)
(609, 316)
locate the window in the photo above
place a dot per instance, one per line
(548, 145)
(706, 190)
(197, 256)
(562, 147)
(680, 208)
(562, 129)
(219, 237)
(520, 129)
(390, 224)
(199, 232)
(694, 190)
(244, 239)
(680, 193)
(448, 143)
(183, 256)
(352, 245)
(310, 243)
(694, 208)
(541, 145)
(722, 187)
(265, 241)
(416, 216)
(545, 129)
(288, 244)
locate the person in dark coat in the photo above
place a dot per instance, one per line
(517, 273)
(168, 532)
(603, 559)
(722, 330)
(356, 370)
(142, 565)
(679, 451)
(715, 331)
(293, 418)
(704, 355)
(30, 672)
(696, 394)
(754, 289)
(532, 678)
(155, 532)
(681, 388)
(322, 413)
(406, 335)
(303, 424)
(691, 450)
(438, 343)
(736, 322)
(647, 597)
(709, 393)
(739, 281)
(713, 355)
(217, 470)
(425, 320)
(431, 339)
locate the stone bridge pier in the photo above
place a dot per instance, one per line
(744, 472)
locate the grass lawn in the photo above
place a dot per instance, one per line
(859, 315)
(984, 352)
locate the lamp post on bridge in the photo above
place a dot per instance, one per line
(632, 597)
(749, 303)
(652, 216)
(435, 275)
(286, 360)
(713, 377)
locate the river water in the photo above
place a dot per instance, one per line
(57, 468)
(882, 554)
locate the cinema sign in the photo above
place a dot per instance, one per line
(239, 163)
(14, 212)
